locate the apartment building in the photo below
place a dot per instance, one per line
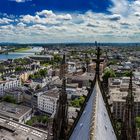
(47, 101)
(5, 85)
(118, 90)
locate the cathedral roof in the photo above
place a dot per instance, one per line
(94, 122)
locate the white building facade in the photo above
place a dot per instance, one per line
(47, 102)
(4, 85)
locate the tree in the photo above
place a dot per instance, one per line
(113, 62)
(43, 72)
(81, 100)
(22, 61)
(138, 122)
(9, 99)
(75, 103)
(57, 58)
(78, 102)
(73, 52)
(108, 73)
(2, 68)
(127, 73)
(29, 122)
(44, 119)
(38, 75)
(39, 119)
(90, 51)
(18, 68)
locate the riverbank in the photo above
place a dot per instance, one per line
(19, 50)
(14, 55)
(21, 53)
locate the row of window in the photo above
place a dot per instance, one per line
(9, 85)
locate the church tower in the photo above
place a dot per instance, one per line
(61, 121)
(128, 126)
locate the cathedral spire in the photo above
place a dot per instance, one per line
(98, 54)
(129, 126)
(88, 124)
(63, 67)
(61, 121)
(87, 62)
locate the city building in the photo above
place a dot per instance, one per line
(42, 57)
(72, 113)
(47, 100)
(12, 130)
(16, 93)
(94, 119)
(42, 82)
(30, 98)
(4, 85)
(75, 92)
(118, 90)
(15, 112)
(71, 66)
(82, 79)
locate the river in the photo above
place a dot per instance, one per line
(15, 55)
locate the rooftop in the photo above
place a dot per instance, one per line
(42, 56)
(52, 93)
(83, 77)
(10, 130)
(5, 81)
(15, 90)
(13, 110)
(118, 91)
(94, 122)
(117, 95)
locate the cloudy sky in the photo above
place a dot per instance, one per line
(56, 21)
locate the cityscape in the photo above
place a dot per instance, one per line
(69, 70)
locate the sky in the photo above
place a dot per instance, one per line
(60, 21)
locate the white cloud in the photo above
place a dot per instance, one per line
(137, 2)
(121, 7)
(125, 7)
(50, 14)
(49, 26)
(20, 1)
(46, 13)
(64, 17)
(5, 20)
(39, 27)
(114, 17)
(29, 18)
(46, 17)
(21, 24)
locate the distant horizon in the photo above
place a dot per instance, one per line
(70, 43)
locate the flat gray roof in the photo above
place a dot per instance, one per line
(13, 110)
(10, 130)
(52, 93)
(42, 56)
